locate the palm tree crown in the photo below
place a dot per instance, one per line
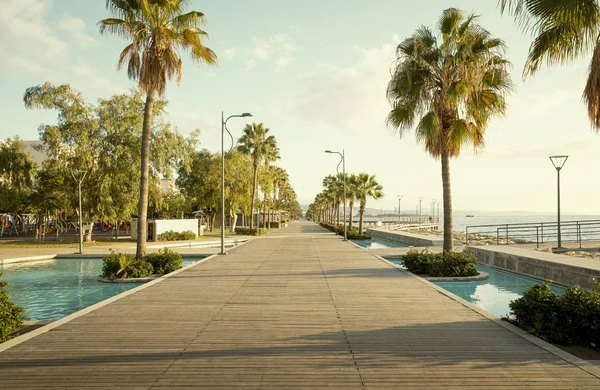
(564, 31)
(366, 187)
(157, 29)
(256, 142)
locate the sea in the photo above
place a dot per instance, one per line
(460, 222)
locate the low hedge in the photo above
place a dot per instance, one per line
(121, 265)
(570, 319)
(165, 261)
(446, 264)
(351, 234)
(172, 235)
(246, 231)
(11, 315)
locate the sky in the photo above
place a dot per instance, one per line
(315, 73)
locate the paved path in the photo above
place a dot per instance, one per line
(296, 309)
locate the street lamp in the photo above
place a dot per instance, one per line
(558, 162)
(343, 162)
(420, 199)
(223, 129)
(79, 179)
(399, 213)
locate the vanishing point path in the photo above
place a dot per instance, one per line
(298, 308)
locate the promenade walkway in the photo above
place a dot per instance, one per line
(298, 308)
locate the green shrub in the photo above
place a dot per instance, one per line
(331, 228)
(164, 261)
(351, 234)
(11, 315)
(573, 318)
(453, 264)
(139, 268)
(120, 265)
(172, 235)
(416, 262)
(447, 264)
(536, 312)
(246, 231)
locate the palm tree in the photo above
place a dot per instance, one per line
(351, 187)
(564, 31)
(366, 187)
(259, 145)
(451, 89)
(157, 30)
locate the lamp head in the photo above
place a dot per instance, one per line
(399, 197)
(558, 161)
(246, 114)
(328, 151)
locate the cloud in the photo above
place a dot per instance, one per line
(96, 83)
(348, 97)
(75, 27)
(278, 45)
(17, 63)
(230, 53)
(282, 62)
(250, 64)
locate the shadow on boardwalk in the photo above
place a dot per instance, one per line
(423, 345)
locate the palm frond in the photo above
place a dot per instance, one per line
(591, 93)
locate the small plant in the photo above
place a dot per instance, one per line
(11, 315)
(416, 262)
(165, 261)
(172, 235)
(139, 268)
(125, 266)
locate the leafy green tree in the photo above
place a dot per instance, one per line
(238, 184)
(451, 88)
(564, 31)
(256, 142)
(366, 187)
(157, 30)
(17, 171)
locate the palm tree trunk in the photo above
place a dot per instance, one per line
(253, 195)
(144, 177)
(351, 207)
(448, 241)
(360, 219)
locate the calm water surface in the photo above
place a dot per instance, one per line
(52, 289)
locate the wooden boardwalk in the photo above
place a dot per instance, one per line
(296, 309)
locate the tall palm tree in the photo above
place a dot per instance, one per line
(256, 142)
(351, 187)
(157, 30)
(564, 30)
(451, 89)
(366, 187)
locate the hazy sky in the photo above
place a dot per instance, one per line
(315, 72)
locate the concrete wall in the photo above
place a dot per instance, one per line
(406, 238)
(164, 225)
(561, 269)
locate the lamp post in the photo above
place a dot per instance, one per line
(558, 162)
(420, 199)
(79, 179)
(223, 129)
(343, 162)
(399, 212)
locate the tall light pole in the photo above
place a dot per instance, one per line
(223, 129)
(79, 179)
(399, 212)
(420, 199)
(343, 162)
(558, 162)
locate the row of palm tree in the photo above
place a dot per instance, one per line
(359, 187)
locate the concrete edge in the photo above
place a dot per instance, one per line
(27, 336)
(586, 366)
(476, 278)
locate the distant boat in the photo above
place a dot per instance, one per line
(470, 216)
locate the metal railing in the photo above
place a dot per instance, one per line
(535, 232)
